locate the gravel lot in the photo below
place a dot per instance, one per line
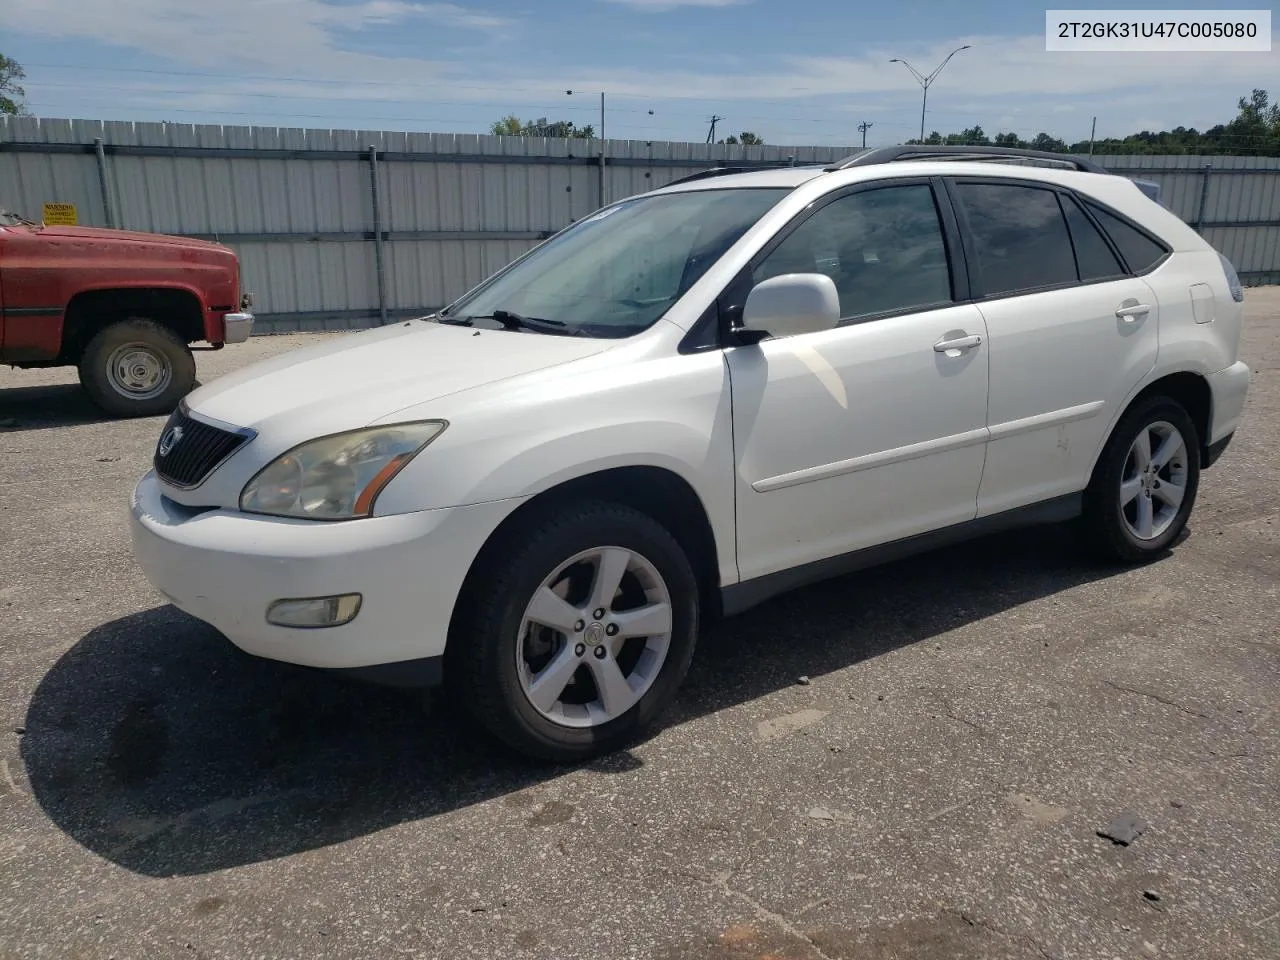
(973, 717)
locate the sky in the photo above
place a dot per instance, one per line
(796, 73)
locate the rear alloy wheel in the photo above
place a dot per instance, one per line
(1145, 483)
(581, 629)
(137, 369)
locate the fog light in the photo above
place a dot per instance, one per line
(315, 611)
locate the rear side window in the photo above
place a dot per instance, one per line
(1140, 252)
(1020, 236)
(1093, 256)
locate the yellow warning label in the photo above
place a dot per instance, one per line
(60, 215)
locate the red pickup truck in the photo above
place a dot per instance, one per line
(123, 307)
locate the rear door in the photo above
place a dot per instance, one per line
(1071, 333)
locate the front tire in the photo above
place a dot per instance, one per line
(1144, 485)
(137, 368)
(575, 631)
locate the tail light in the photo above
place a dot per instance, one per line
(1233, 280)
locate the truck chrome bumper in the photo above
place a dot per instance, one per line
(238, 326)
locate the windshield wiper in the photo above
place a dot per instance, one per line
(516, 321)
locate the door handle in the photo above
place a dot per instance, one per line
(953, 347)
(1131, 311)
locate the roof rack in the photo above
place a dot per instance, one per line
(992, 154)
(741, 168)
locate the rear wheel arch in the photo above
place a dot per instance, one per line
(1189, 390)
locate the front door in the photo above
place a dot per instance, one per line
(874, 430)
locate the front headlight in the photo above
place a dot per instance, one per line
(338, 477)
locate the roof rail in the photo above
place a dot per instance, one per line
(741, 168)
(991, 154)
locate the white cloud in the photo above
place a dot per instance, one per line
(300, 44)
(290, 35)
(654, 6)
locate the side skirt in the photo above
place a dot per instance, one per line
(738, 597)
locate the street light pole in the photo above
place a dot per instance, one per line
(926, 81)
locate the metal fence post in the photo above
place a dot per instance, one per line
(377, 237)
(108, 206)
(1204, 195)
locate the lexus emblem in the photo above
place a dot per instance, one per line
(169, 439)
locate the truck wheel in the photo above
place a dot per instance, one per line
(137, 368)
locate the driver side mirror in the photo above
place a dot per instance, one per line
(790, 304)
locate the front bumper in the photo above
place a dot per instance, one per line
(237, 327)
(226, 567)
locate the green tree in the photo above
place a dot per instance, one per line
(513, 126)
(11, 93)
(1043, 141)
(746, 138)
(508, 126)
(1255, 130)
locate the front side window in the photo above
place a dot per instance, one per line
(1020, 236)
(616, 272)
(883, 248)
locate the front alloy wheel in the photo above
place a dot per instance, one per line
(594, 637)
(574, 630)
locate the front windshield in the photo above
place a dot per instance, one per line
(619, 270)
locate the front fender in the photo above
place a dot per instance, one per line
(501, 443)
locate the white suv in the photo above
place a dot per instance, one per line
(688, 402)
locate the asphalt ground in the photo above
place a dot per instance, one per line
(970, 720)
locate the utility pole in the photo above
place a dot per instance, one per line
(864, 126)
(569, 93)
(711, 134)
(926, 81)
(1092, 130)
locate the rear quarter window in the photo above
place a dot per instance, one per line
(1140, 251)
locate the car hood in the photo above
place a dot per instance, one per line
(350, 381)
(103, 233)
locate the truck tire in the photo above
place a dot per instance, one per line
(137, 368)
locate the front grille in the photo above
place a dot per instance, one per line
(188, 449)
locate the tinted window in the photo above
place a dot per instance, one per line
(1020, 236)
(1093, 256)
(882, 247)
(1139, 251)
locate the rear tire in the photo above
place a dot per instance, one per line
(137, 368)
(1144, 485)
(592, 680)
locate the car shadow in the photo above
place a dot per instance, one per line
(157, 745)
(49, 405)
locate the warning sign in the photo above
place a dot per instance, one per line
(60, 215)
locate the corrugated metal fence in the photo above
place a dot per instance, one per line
(299, 205)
